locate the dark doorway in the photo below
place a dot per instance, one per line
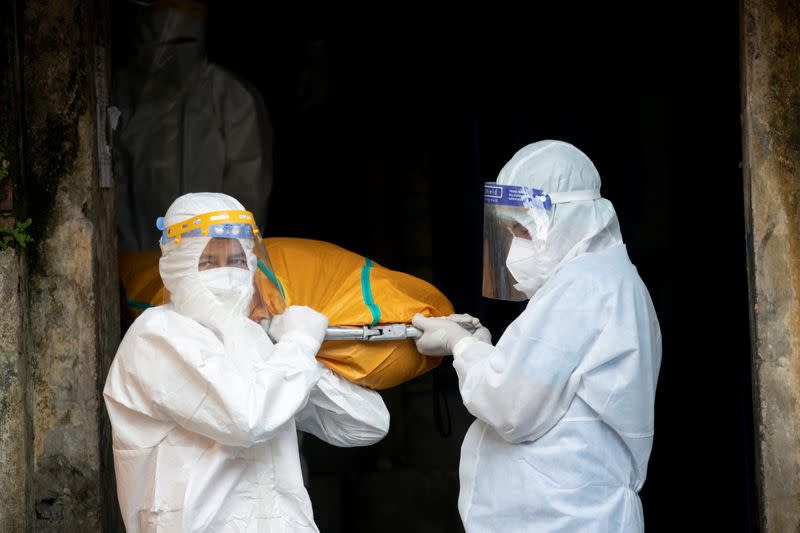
(388, 120)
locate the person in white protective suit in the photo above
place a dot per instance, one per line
(564, 400)
(185, 125)
(204, 406)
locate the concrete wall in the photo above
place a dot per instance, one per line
(771, 146)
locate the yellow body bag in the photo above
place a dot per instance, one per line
(349, 289)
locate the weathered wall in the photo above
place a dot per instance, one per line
(15, 512)
(771, 145)
(73, 297)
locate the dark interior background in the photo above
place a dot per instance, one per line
(388, 118)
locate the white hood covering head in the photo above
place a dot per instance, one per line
(575, 228)
(192, 292)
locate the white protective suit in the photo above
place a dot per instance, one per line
(204, 407)
(564, 401)
(187, 125)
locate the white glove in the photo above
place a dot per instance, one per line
(481, 333)
(440, 335)
(300, 324)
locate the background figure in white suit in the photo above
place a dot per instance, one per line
(564, 401)
(204, 407)
(186, 124)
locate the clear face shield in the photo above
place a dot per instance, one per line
(516, 222)
(224, 263)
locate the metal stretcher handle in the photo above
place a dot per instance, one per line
(380, 333)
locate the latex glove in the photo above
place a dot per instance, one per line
(481, 333)
(440, 335)
(300, 324)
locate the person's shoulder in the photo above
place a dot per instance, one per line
(231, 82)
(608, 268)
(154, 316)
(617, 279)
(162, 319)
(593, 277)
(166, 331)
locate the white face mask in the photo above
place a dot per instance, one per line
(228, 284)
(530, 265)
(522, 256)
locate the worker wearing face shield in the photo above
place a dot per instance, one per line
(564, 401)
(204, 406)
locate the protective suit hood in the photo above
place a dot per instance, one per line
(157, 25)
(170, 45)
(191, 293)
(575, 228)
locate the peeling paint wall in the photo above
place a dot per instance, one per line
(771, 145)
